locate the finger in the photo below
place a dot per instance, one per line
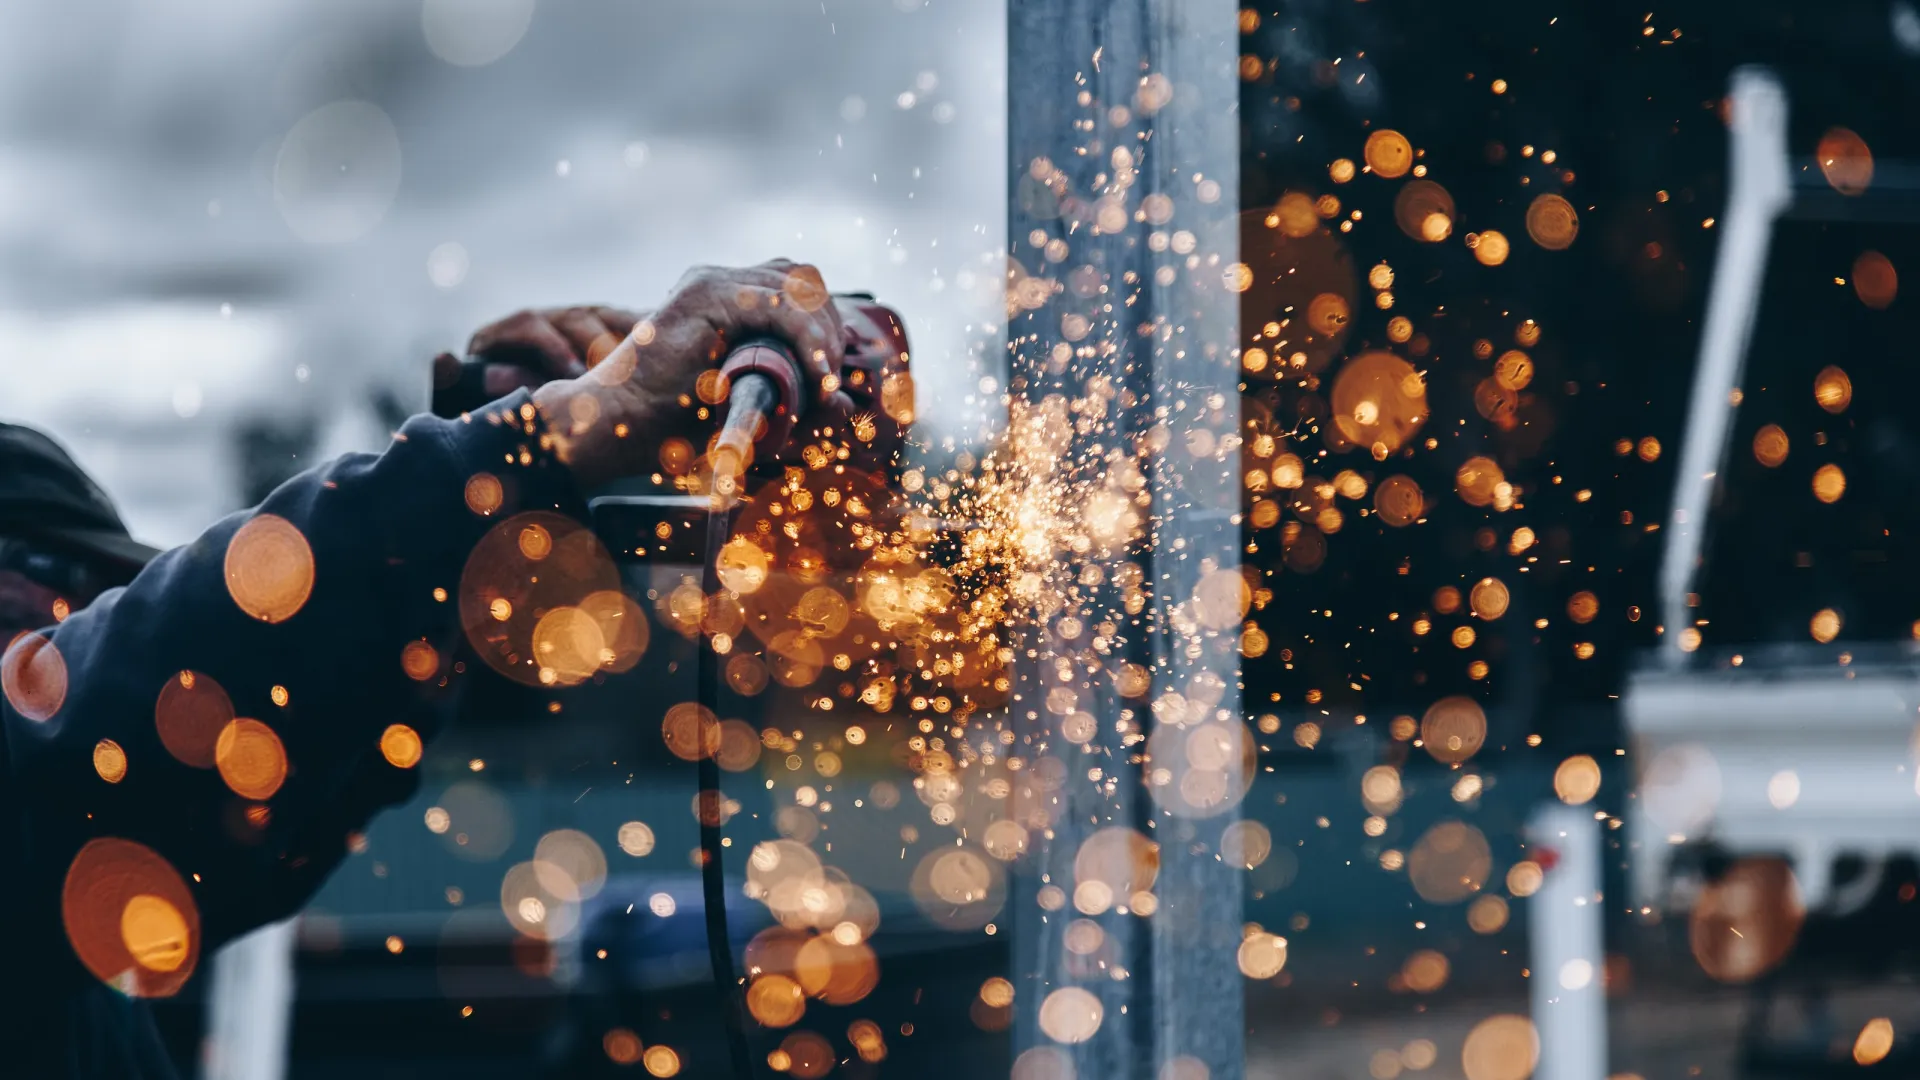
(696, 277)
(586, 332)
(836, 325)
(618, 320)
(745, 302)
(500, 380)
(755, 277)
(799, 284)
(620, 365)
(800, 287)
(805, 288)
(527, 337)
(773, 274)
(815, 340)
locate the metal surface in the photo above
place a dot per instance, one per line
(1163, 330)
(1565, 942)
(250, 1006)
(1808, 761)
(1759, 192)
(1782, 750)
(754, 398)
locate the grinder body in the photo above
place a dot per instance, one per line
(875, 377)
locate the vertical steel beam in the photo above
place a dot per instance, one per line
(1124, 159)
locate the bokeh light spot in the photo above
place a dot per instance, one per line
(269, 568)
(1453, 729)
(1262, 955)
(1829, 483)
(251, 759)
(808, 1056)
(1490, 246)
(1577, 780)
(130, 917)
(1449, 863)
(1489, 599)
(636, 839)
(1399, 501)
(419, 660)
(190, 713)
(1875, 281)
(1746, 922)
(474, 33)
(33, 677)
(1874, 1042)
(1833, 389)
(109, 761)
(1425, 971)
(1487, 914)
(1845, 161)
(524, 570)
(401, 746)
(622, 1046)
(570, 865)
(1503, 1047)
(1071, 1015)
(776, 1001)
(1552, 222)
(484, 493)
(662, 1061)
(155, 932)
(1388, 153)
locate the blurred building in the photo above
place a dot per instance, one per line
(232, 232)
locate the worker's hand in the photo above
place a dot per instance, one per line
(610, 421)
(529, 348)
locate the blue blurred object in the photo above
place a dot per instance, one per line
(647, 950)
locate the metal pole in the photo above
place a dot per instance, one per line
(1760, 190)
(250, 1006)
(1569, 995)
(1122, 236)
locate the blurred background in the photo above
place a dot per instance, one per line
(1548, 246)
(234, 236)
(236, 233)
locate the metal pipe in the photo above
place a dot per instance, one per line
(753, 399)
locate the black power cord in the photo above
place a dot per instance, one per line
(766, 383)
(713, 884)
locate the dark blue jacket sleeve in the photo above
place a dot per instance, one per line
(389, 536)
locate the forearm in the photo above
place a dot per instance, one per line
(327, 614)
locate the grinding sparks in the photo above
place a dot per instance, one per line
(979, 686)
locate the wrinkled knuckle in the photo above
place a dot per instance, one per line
(699, 277)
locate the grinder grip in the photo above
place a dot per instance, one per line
(763, 399)
(876, 379)
(775, 361)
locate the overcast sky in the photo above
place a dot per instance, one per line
(212, 209)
